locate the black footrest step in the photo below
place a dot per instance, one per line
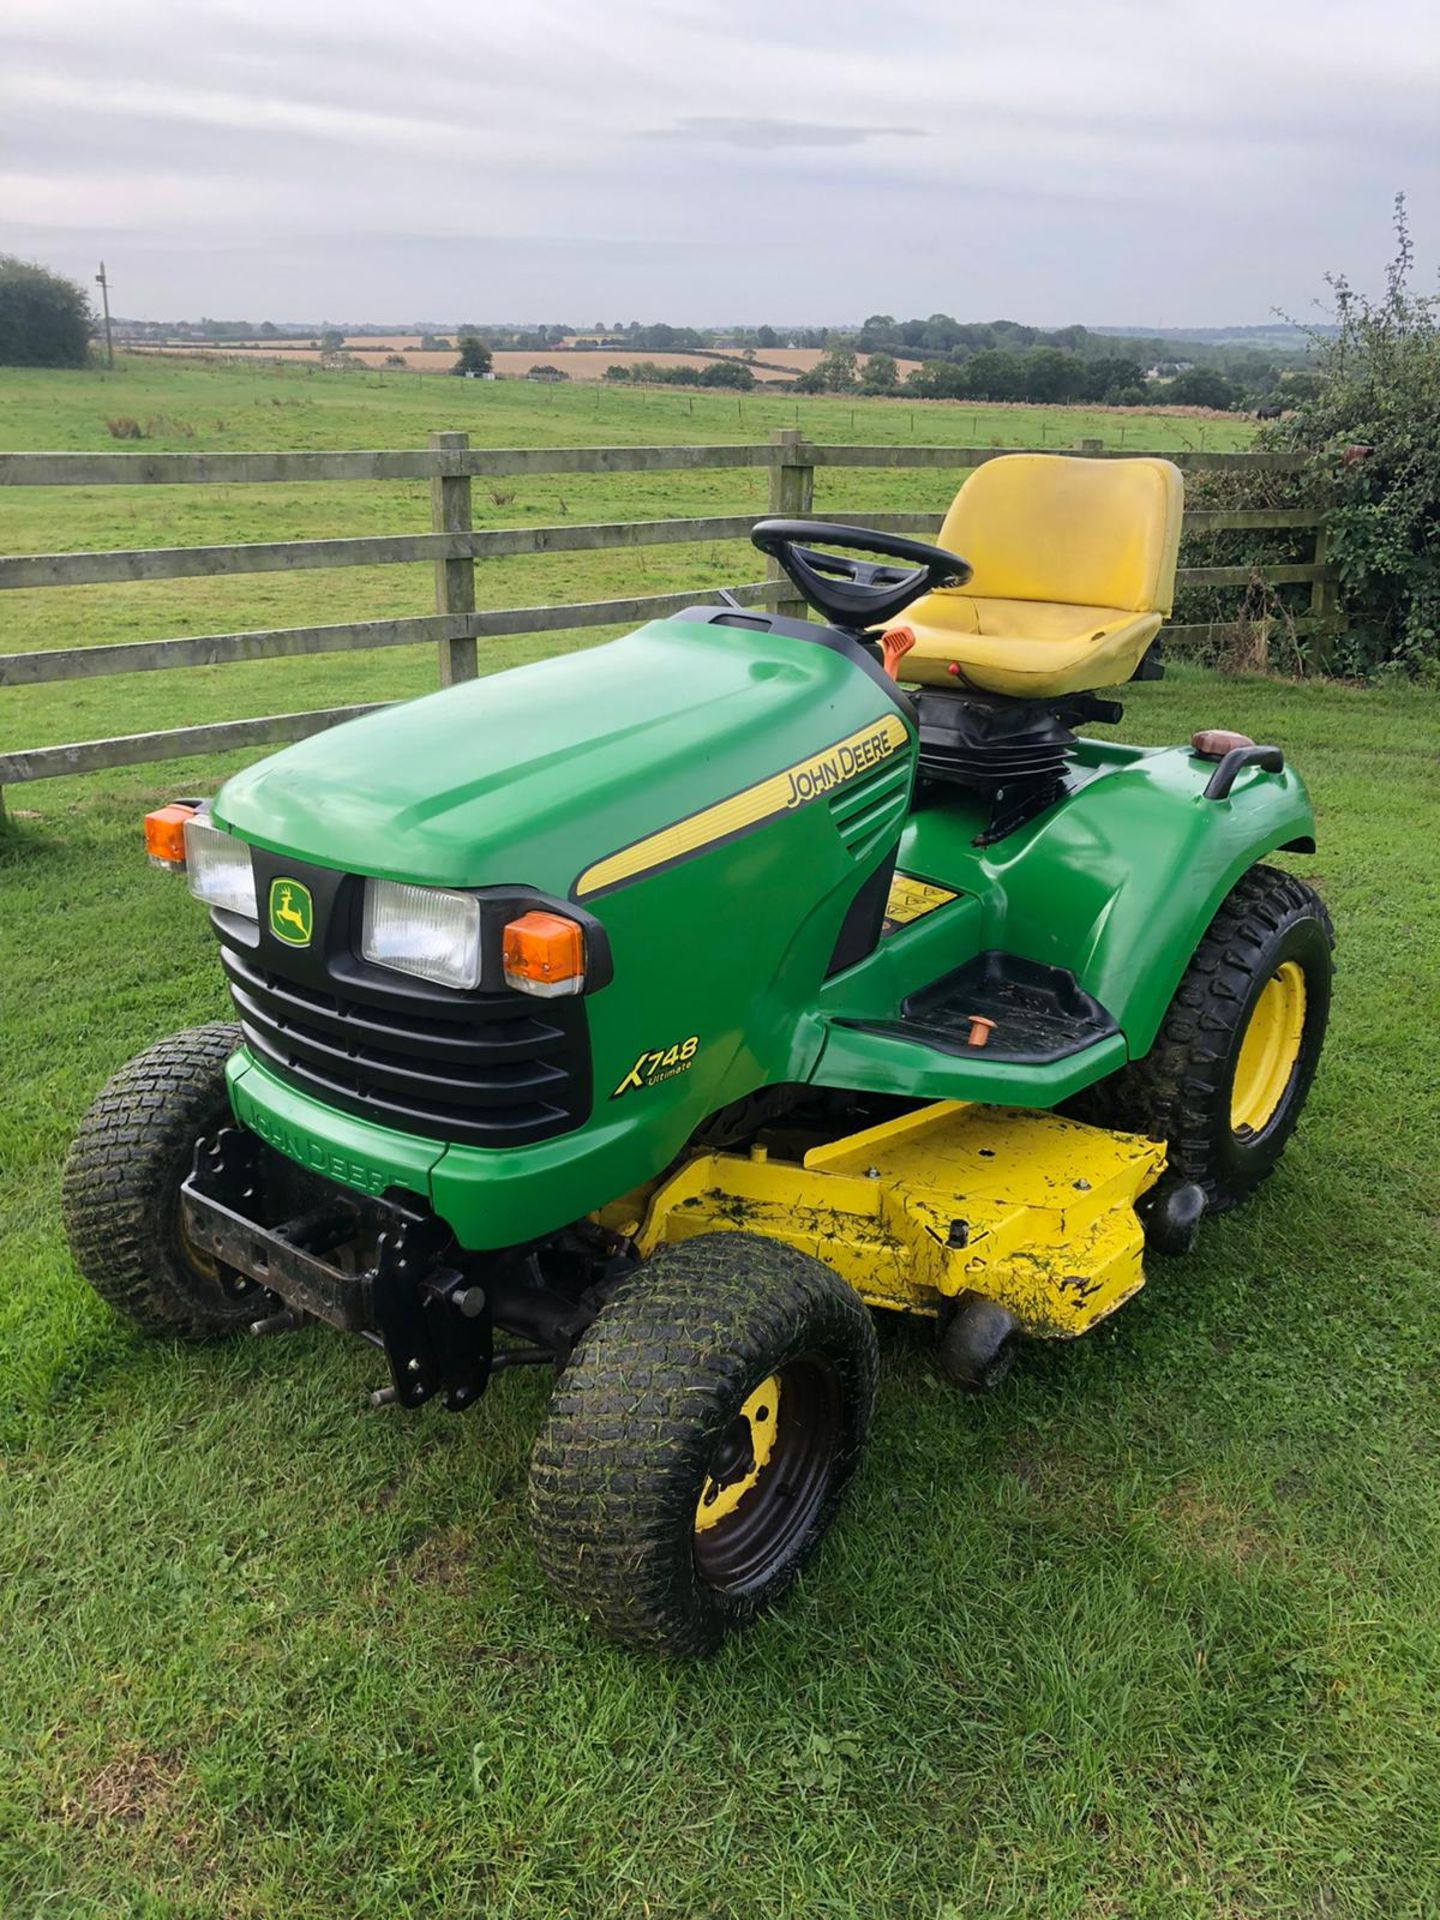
(1029, 1013)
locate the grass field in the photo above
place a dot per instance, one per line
(1155, 1632)
(199, 408)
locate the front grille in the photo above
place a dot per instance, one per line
(488, 1070)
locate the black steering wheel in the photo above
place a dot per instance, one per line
(856, 594)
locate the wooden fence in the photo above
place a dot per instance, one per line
(454, 547)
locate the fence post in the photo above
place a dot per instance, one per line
(1323, 595)
(792, 495)
(454, 579)
(1324, 601)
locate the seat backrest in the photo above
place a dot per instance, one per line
(1090, 533)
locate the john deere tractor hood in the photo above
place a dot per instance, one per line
(530, 776)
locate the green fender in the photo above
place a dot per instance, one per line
(1119, 882)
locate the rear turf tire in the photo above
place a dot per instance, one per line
(647, 1425)
(1270, 928)
(121, 1190)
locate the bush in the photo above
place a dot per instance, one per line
(45, 320)
(1374, 420)
(1271, 635)
(728, 373)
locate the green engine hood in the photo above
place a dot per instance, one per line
(528, 776)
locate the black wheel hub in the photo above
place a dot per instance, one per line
(772, 1519)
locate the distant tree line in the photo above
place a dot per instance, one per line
(1043, 375)
(1004, 360)
(45, 320)
(993, 361)
(945, 337)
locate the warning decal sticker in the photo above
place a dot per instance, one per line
(911, 899)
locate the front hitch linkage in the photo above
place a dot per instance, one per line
(435, 1326)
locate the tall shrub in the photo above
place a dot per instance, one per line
(44, 320)
(1374, 422)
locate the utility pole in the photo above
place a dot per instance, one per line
(104, 286)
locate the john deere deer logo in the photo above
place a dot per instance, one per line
(292, 912)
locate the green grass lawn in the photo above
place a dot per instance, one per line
(1154, 1632)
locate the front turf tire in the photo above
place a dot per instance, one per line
(1264, 965)
(655, 1426)
(121, 1188)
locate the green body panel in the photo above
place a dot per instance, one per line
(534, 776)
(1117, 884)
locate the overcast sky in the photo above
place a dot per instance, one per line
(1155, 162)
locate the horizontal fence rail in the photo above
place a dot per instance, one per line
(130, 749)
(388, 550)
(222, 649)
(509, 463)
(454, 547)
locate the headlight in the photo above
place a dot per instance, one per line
(424, 931)
(219, 868)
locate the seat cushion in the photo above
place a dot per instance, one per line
(1030, 649)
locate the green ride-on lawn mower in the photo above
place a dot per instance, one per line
(653, 1012)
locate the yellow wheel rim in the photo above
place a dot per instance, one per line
(1269, 1051)
(719, 1498)
(201, 1261)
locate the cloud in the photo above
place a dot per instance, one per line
(1112, 163)
(770, 134)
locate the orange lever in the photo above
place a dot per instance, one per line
(980, 1030)
(895, 645)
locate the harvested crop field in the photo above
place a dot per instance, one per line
(579, 363)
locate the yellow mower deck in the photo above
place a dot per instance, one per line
(1031, 1210)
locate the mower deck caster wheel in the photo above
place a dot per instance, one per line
(978, 1343)
(1172, 1221)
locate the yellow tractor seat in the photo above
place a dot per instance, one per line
(1074, 572)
